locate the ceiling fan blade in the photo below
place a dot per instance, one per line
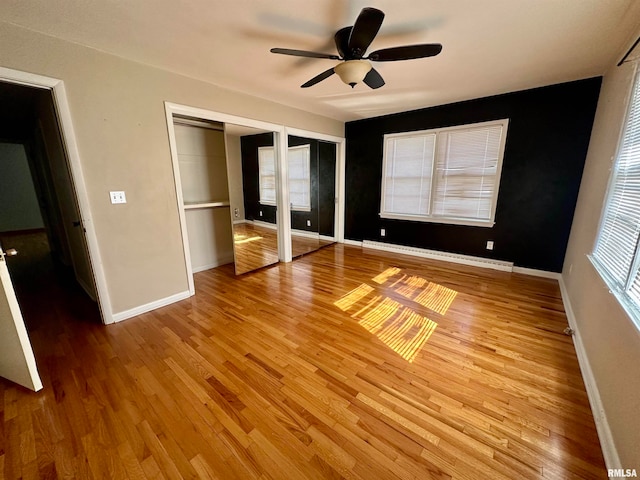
(407, 52)
(364, 31)
(373, 79)
(304, 53)
(318, 78)
(342, 42)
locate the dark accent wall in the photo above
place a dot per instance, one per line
(546, 146)
(322, 163)
(251, 179)
(327, 188)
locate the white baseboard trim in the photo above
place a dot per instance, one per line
(304, 233)
(444, 256)
(260, 223)
(294, 232)
(609, 451)
(354, 243)
(537, 273)
(327, 238)
(238, 222)
(221, 261)
(313, 235)
(118, 317)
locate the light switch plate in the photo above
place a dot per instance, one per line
(118, 197)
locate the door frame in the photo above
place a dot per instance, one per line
(281, 144)
(174, 108)
(67, 133)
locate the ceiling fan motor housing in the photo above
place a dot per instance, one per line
(352, 72)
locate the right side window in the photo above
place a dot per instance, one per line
(616, 255)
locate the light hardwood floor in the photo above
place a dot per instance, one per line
(256, 246)
(346, 363)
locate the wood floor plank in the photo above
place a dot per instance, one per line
(309, 370)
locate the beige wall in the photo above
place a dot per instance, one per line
(611, 340)
(118, 115)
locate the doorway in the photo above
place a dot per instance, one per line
(40, 219)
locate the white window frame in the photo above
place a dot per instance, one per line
(438, 218)
(296, 208)
(618, 289)
(306, 207)
(261, 152)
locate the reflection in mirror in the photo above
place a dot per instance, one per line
(302, 158)
(327, 161)
(252, 195)
(312, 186)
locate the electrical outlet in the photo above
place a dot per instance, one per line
(490, 245)
(260, 212)
(118, 197)
(308, 223)
(383, 232)
(236, 212)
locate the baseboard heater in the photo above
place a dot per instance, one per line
(444, 256)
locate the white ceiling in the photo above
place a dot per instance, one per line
(490, 46)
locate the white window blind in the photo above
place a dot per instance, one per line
(267, 175)
(408, 175)
(616, 251)
(299, 177)
(448, 175)
(298, 159)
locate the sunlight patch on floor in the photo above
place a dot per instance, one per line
(245, 238)
(354, 296)
(400, 328)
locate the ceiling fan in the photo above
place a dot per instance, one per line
(352, 43)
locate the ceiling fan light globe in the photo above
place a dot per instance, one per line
(352, 72)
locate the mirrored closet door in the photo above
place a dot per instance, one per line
(312, 191)
(251, 164)
(302, 165)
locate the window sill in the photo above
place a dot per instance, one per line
(627, 304)
(449, 221)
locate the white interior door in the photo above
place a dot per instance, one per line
(17, 362)
(54, 150)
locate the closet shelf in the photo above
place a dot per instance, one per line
(195, 205)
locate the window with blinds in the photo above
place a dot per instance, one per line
(267, 175)
(616, 254)
(298, 159)
(299, 177)
(446, 175)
